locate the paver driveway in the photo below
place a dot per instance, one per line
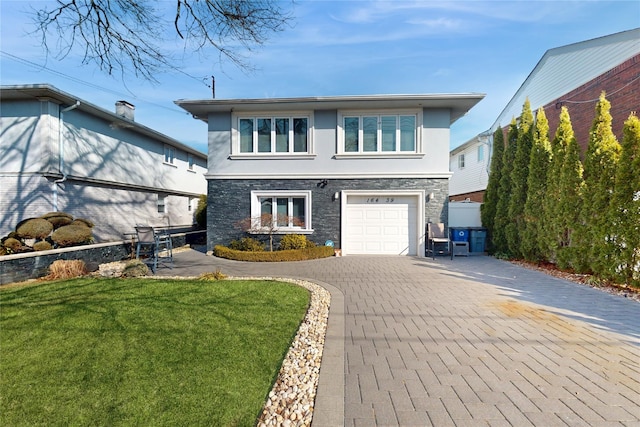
(467, 342)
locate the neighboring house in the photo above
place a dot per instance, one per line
(469, 164)
(61, 153)
(573, 76)
(365, 172)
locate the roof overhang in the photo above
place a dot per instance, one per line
(458, 103)
(46, 92)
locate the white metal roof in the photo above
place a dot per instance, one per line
(566, 68)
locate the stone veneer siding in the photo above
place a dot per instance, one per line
(229, 201)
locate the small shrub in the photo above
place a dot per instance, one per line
(135, 268)
(294, 241)
(58, 219)
(216, 275)
(82, 221)
(67, 269)
(12, 244)
(34, 228)
(247, 244)
(70, 235)
(42, 245)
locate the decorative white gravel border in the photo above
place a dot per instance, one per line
(291, 401)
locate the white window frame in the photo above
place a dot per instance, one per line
(461, 161)
(236, 152)
(418, 152)
(169, 154)
(162, 204)
(480, 153)
(256, 211)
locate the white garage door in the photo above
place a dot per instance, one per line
(380, 225)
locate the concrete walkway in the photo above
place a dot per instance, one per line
(466, 342)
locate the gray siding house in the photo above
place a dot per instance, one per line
(61, 153)
(365, 172)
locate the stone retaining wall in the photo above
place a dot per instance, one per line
(32, 265)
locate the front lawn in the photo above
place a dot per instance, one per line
(143, 352)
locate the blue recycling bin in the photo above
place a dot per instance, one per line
(460, 234)
(478, 240)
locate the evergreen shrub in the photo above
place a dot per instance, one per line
(71, 235)
(58, 219)
(42, 245)
(295, 241)
(34, 228)
(135, 268)
(276, 256)
(247, 244)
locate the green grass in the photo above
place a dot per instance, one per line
(143, 352)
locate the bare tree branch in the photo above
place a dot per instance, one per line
(131, 36)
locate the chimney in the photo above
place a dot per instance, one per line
(125, 109)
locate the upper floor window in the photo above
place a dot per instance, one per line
(461, 161)
(169, 154)
(379, 133)
(480, 153)
(273, 135)
(191, 161)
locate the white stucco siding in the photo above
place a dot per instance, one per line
(23, 196)
(99, 150)
(324, 159)
(28, 131)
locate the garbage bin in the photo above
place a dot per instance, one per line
(478, 240)
(460, 234)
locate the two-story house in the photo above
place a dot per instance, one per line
(364, 172)
(62, 153)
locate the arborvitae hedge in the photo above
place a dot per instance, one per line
(492, 193)
(539, 161)
(499, 236)
(588, 225)
(519, 174)
(550, 240)
(570, 188)
(624, 212)
(594, 231)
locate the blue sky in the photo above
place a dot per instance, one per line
(339, 48)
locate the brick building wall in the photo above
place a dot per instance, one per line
(474, 196)
(621, 85)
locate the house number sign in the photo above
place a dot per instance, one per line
(379, 200)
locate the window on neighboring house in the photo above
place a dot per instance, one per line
(162, 203)
(191, 161)
(283, 211)
(461, 161)
(379, 133)
(169, 154)
(480, 153)
(273, 135)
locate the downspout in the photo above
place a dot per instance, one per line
(61, 153)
